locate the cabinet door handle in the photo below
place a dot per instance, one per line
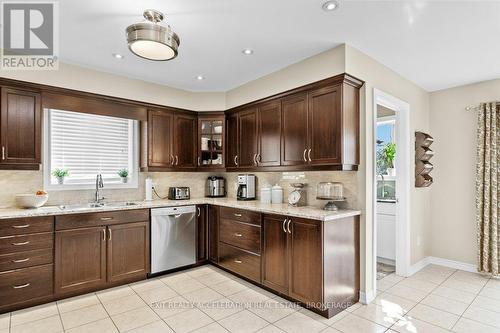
(104, 234)
(21, 286)
(237, 215)
(237, 261)
(238, 234)
(109, 234)
(304, 155)
(20, 260)
(259, 158)
(21, 226)
(106, 218)
(3, 153)
(22, 243)
(283, 226)
(255, 159)
(172, 159)
(236, 160)
(309, 155)
(176, 160)
(199, 211)
(198, 160)
(288, 226)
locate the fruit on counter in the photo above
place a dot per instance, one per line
(41, 193)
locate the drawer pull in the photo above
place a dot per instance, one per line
(21, 226)
(20, 260)
(22, 243)
(238, 234)
(237, 261)
(21, 286)
(237, 215)
(106, 218)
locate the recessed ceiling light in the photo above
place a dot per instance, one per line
(200, 77)
(330, 5)
(117, 56)
(247, 51)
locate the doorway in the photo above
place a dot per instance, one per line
(391, 186)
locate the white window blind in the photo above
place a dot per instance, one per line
(88, 144)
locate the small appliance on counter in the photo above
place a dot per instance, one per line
(178, 193)
(331, 191)
(246, 187)
(216, 187)
(298, 196)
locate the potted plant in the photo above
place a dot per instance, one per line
(123, 173)
(60, 174)
(389, 153)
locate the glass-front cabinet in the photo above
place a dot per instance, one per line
(211, 141)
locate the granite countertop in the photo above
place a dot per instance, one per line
(254, 205)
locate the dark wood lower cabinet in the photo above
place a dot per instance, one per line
(213, 233)
(80, 260)
(128, 251)
(275, 258)
(201, 233)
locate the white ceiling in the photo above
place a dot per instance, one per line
(434, 44)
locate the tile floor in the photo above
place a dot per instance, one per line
(206, 299)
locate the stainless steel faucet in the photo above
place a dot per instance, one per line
(98, 186)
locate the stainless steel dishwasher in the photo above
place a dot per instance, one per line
(173, 238)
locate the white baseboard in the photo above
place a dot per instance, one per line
(366, 298)
(441, 262)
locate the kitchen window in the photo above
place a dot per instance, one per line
(86, 145)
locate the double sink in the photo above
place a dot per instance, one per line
(97, 205)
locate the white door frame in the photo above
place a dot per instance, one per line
(403, 178)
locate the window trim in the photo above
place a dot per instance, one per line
(132, 183)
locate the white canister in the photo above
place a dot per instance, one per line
(265, 194)
(277, 194)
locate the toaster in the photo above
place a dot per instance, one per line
(178, 193)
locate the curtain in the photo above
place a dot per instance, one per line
(487, 178)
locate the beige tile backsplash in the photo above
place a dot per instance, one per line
(16, 182)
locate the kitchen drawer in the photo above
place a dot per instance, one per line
(27, 225)
(240, 261)
(240, 215)
(242, 235)
(12, 261)
(20, 243)
(25, 284)
(86, 220)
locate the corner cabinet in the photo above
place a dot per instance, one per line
(211, 140)
(20, 129)
(315, 127)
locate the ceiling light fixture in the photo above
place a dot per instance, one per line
(152, 41)
(247, 51)
(330, 5)
(200, 77)
(117, 56)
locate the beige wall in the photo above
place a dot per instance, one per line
(378, 76)
(453, 233)
(79, 78)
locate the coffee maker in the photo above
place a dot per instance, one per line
(246, 187)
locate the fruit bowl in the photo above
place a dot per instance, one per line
(31, 200)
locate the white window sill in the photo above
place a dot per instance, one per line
(73, 187)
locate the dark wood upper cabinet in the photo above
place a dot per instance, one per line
(294, 137)
(127, 251)
(185, 138)
(80, 260)
(247, 138)
(160, 130)
(275, 258)
(269, 134)
(306, 263)
(232, 140)
(20, 129)
(324, 119)
(201, 233)
(211, 140)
